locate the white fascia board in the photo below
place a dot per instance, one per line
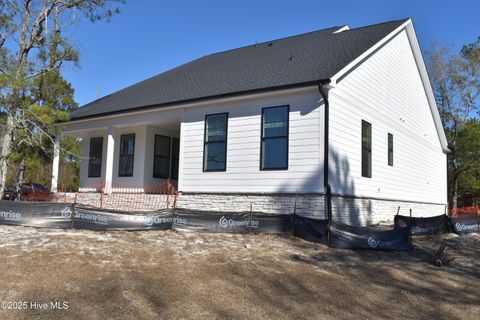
(408, 26)
(422, 69)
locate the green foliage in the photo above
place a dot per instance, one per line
(69, 176)
(33, 94)
(456, 82)
(54, 99)
(468, 155)
(54, 92)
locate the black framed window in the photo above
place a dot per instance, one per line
(274, 146)
(127, 153)
(175, 158)
(95, 157)
(390, 149)
(366, 149)
(161, 161)
(215, 142)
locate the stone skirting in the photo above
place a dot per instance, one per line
(349, 210)
(306, 204)
(367, 211)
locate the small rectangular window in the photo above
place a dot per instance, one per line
(274, 145)
(95, 157)
(215, 142)
(366, 149)
(175, 158)
(127, 153)
(161, 161)
(390, 149)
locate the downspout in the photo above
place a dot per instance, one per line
(323, 89)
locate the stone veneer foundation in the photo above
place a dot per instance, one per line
(349, 210)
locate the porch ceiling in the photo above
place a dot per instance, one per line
(88, 128)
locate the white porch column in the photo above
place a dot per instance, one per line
(109, 160)
(56, 160)
(180, 156)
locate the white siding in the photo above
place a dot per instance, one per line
(386, 90)
(243, 172)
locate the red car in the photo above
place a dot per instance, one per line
(35, 192)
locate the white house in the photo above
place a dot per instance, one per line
(251, 125)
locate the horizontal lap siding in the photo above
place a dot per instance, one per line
(243, 147)
(386, 90)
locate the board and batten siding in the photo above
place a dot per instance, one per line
(243, 174)
(386, 90)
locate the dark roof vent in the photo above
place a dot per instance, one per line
(291, 58)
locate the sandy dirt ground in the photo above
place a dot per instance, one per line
(175, 275)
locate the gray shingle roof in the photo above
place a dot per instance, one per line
(302, 59)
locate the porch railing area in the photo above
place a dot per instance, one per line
(130, 198)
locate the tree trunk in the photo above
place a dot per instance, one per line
(21, 172)
(455, 194)
(6, 145)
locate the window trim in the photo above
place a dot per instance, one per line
(89, 175)
(390, 149)
(205, 143)
(262, 138)
(120, 155)
(370, 150)
(169, 157)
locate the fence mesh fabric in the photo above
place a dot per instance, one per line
(465, 211)
(128, 198)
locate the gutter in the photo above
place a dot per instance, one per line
(323, 88)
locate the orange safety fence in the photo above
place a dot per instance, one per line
(125, 197)
(465, 211)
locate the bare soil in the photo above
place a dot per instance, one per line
(174, 275)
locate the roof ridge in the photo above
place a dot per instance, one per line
(273, 40)
(303, 34)
(378, 24)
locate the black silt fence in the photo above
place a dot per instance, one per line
(309, 229)
(467, 224)
(348, 237)
(36, 214)
(241, 222)
(86, 217)
(424, 226)
(65, 216)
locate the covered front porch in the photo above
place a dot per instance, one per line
(125, 154)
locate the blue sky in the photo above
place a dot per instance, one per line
(149, 37)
